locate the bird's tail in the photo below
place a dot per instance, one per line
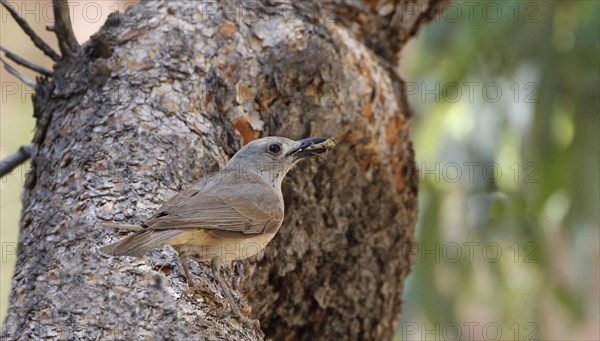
(140, 243)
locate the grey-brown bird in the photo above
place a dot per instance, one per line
(229, 215)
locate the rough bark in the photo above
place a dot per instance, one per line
(168, 92)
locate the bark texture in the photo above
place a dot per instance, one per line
(168, 92)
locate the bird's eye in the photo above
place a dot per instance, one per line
(274, 148)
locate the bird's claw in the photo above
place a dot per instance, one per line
(207, 294)
(242, 318)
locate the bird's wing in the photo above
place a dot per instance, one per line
(194, 208)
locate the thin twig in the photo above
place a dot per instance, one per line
(37, 41)
(17, 74)
(15, 159)
(22, 61)
(62, 27)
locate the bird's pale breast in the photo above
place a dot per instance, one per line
(200, 244)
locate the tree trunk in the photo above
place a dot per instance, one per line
(168, 92)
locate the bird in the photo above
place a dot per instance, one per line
(228, 215)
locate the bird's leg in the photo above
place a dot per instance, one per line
(215, 266)
(194, 286)
(235, 308)
(188, 277)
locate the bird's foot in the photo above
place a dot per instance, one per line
(202, 290)
(238, 312)
(242, 318)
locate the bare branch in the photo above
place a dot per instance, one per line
(17, 74)
(15, 159)
(22, 61)
(62, 27)
(37, 41)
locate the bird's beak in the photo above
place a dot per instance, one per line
(311, 146)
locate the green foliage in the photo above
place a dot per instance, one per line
(515, 173)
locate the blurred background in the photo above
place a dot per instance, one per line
(506, 133)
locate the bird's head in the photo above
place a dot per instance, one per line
(272, 157)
